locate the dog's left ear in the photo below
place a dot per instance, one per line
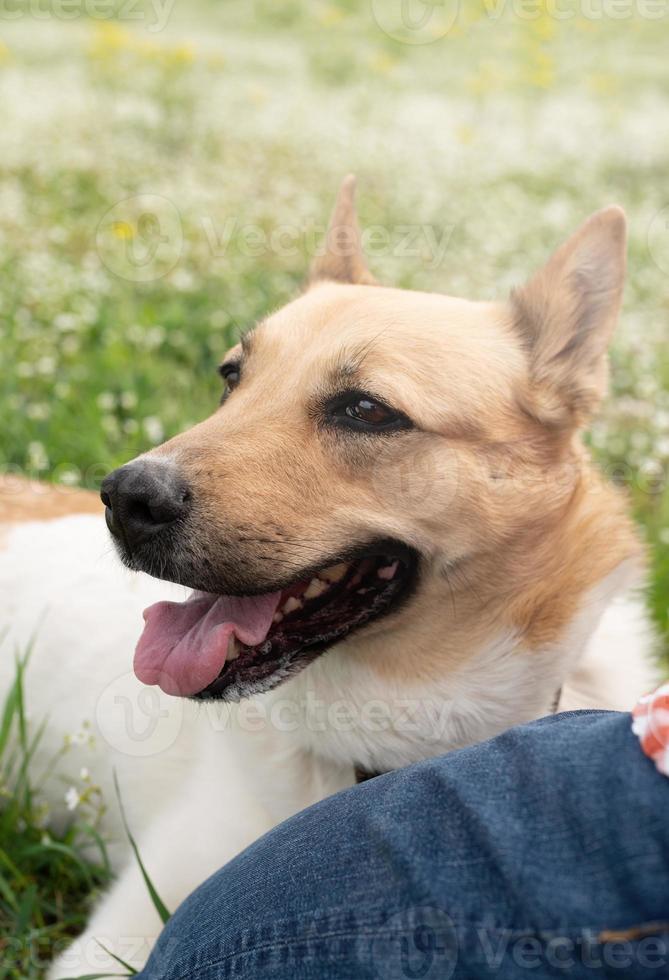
(566, 315)
(343, 259)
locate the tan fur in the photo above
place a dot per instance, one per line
(343, 259)
(566, 315)
(493, 487)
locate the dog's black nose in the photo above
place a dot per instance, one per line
(143, 498)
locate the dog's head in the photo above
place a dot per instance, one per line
(377, 454)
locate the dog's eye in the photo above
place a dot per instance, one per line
(362, 412)
(369, 411)
(231, 374)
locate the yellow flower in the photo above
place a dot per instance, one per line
(109, 39)
(123, 230)
(257, 94)
(465, 134)
(382, 63)
(329, 16)
(603, 84)
(180, 54)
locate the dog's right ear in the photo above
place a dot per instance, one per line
(343, 259)
(566, 315)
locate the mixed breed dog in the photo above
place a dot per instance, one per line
(396, 545)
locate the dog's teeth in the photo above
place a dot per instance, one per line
(388, 571)
(233, 648)
(277, 617)
(315, 588)
(291, 604)
(334, 574)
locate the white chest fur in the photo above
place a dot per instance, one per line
(603, 659)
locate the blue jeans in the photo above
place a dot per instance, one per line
(541, 853)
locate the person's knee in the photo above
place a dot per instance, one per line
(449, 834)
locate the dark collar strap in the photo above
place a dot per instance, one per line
(361, 775)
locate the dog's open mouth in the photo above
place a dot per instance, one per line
(219, 646)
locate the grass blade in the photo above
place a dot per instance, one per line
(7, 892)
(8, 713)
(97, 976)
(86, 830)
(118, 959)
(159, 906)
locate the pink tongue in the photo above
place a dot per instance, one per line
(184, 644)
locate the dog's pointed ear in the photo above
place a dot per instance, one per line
(566, 315)
(343, 259)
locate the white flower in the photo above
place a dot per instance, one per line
(65, 322)
(662, 447)
(37, 411)
(106, 401)
(153, 428)
(153, 337)
(84, 774)
(77, 738)
(69, 477)
(72, 798)
(182, 279)
(37, 457)
(46, 365)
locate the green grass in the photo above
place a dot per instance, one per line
(49, 876)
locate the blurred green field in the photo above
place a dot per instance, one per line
(160, 189)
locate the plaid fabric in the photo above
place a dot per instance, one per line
(650, 721)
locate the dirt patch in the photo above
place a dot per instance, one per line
(30, 500)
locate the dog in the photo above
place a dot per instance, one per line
(395, 545)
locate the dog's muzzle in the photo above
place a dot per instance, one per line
(142, 499)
